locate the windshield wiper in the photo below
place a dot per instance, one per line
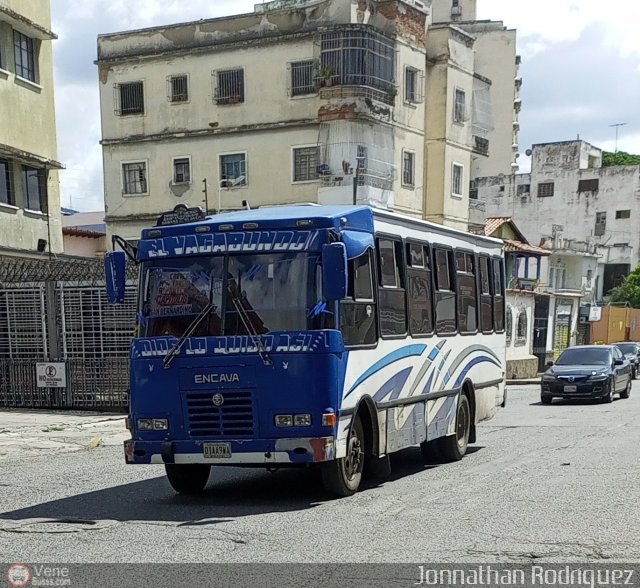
(166, 362)
(248, 325)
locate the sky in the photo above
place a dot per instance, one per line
(580, 70)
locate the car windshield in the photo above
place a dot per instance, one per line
(585, 356)
(628, 348)
(251, 294)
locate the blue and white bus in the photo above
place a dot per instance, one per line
(309, 335)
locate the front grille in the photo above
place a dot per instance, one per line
(582, 388)
(234, 418)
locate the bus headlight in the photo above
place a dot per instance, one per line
(153, 424)
(302, 420)
(284, 420)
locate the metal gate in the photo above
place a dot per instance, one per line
(48, 320)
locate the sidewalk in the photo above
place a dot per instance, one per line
(25, 432)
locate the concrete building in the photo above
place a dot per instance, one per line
(300, 101)
(84, 233)
(495, 92)
(328, 101)
(585, 213)
(29, 190)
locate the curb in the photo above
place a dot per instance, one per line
(523, 382)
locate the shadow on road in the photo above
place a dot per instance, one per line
(577, 402)
(231, 493)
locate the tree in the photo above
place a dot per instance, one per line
(619, 158)
(629, 290)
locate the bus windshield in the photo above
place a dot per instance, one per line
(251, 295)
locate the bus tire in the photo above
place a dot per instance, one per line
(342, 476)
(188, 478)
(453, 447)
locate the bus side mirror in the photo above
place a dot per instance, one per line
(115, 273)
(334, 271)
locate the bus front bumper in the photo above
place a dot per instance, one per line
(255, 452)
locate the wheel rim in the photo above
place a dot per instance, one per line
(462, 427)
(353, 459)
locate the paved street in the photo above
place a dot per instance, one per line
(550, 483)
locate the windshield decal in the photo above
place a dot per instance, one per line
(220, 243)
(318, 309)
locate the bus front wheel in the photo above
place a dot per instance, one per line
(453, 447)
(188, 478)
(342, 476)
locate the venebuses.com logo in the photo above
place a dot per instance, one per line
(19, 575)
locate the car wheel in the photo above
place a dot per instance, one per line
(627, 390)
(608, 397)
(546, 399)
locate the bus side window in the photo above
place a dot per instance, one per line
(419, 294)
(467, 292)
(486, 302)
(358, 321)
(391, 293)
(445, 296)
(498, 295)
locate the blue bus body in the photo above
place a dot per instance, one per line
(266, 379)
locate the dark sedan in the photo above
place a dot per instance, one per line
(587, 371)
(632, 352)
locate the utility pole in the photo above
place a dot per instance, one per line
(617, 126)
(206, 196)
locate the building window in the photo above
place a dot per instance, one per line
(546, 189)
(233, 170)
(181, 170)
(588, 185)
(521, 329)
(178, 88)
(357, 58)
(412, 85)
(229, 86)
(305, 164)
(459, 106)
(623, 214)
(456, 181)
(601, 224)
(303, 78)
(6, 183)
(129, 98)
(24, 56)
(523, 189)
(134, 178)
(34, 186)
(408, 169)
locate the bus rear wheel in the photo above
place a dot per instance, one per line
(341, 477)
(453, 447)
(188, 478)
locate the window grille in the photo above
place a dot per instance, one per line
(134, 178)
(24, 56)
(357, 58)
(229, 86)
(601, 224)
(181, 170)
(303, 78)
(178, 88)
(623, 214)
(588, 185)
(305, 164)
(546, 190)
(129, 98)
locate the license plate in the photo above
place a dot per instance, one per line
(571, 388)
(213, 450)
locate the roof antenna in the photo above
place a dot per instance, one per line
(245, 203)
